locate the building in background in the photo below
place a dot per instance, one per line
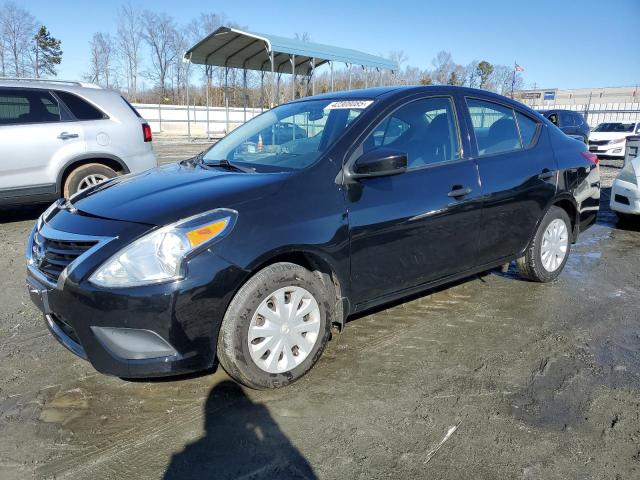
(606, 104)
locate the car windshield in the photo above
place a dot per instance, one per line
(289, 137)
(614, 127)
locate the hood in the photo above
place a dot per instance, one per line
(608, 135)
(169, 193)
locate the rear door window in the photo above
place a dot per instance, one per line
(22, 106)
(494, 126)
(81, 109)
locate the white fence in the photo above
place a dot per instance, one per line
(193, 121)
(596, 113)
(202, 122)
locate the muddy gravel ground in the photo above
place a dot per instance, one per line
(492, 377)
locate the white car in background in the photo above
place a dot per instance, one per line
(609, 139)
(625, 191)
(57, 138)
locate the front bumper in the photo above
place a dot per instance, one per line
(614, 150)
(150, 331)
(625, 197)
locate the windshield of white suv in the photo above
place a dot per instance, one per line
(614, 127)
(289, 137)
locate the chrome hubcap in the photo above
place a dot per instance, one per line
(284, 329)
(555, 243)
(90, 181)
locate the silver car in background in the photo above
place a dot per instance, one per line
(57, 138)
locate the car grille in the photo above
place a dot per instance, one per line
(598, 142)
(52, 256)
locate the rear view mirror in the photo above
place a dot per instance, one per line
(380, 162)
(315, 115)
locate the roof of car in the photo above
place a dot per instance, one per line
(376, 92)
(47, 83)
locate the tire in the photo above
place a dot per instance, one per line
(627, 219)
(81, 177)
(532, 265)
(251, 363)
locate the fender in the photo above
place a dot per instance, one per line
(88, 156)
(561, 196)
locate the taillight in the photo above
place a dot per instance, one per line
(146, 132)
(592, 157)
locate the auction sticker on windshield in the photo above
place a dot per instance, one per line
(349, 104)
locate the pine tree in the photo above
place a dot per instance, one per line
(47, 53)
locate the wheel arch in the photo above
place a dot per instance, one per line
(111, 161)
(569, 205)
(317, 263)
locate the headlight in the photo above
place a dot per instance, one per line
(628, 173)
(159, 256)
(617, 140)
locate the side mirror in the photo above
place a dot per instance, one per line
(380, 162)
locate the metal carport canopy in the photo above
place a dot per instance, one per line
(230, 47)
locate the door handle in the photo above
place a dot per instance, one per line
(67, 135)
(546, 175)
(458, 191)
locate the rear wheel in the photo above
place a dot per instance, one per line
(548, 252)
(276, 327)
(86, 176)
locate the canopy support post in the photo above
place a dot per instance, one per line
(261, 91)
(226, 98)
(244, 93)
(313, 76)
(349, 67)
(278, 75)
(208, 70)
(273, 86)
(293, 77)
(366, 77)
(331, 64)
(188, 113)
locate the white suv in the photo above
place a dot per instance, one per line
(57, 138)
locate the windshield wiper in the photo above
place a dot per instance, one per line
(224, 163)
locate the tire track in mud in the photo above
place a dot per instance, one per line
(138, 451)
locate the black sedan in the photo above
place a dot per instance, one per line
(250, 254)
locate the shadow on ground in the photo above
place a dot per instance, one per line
(241, 440)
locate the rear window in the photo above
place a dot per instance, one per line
(27, 106)
(80, 108)
(131, 107)
(528, 128)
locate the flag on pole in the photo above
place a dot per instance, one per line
(519, 68)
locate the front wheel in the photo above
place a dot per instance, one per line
(276, 327)
(548, 252)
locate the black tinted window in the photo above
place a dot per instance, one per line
(494, 126)
(133, 109)
(80, 109)
(528, 128)
(424, 129)
(27, 106)
(566, 119)
(579, 119)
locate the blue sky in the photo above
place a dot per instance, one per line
(564, 44)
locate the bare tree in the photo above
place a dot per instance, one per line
(101, 59)
(129, 45)
(17, 28)
(159, 31)
(443, 67)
